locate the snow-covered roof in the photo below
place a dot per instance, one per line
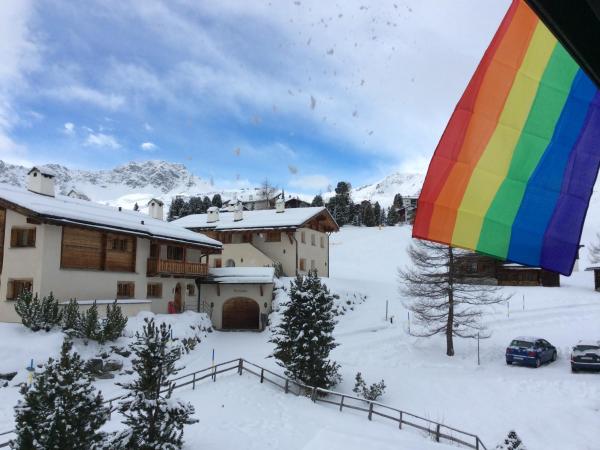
(68, 210)
(243, 275)
(527, 338)
(259, 219)
(43, 170)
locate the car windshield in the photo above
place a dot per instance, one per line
(518, 343)
(583, 348)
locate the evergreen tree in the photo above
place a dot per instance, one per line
(398, 201)
(89, 326)
(372, 392)
(136, 207)
(50, 313)
(155, 420)
(115, 323)
(206, 203)
(175, 209)
(382, 217)
(60, 410)
(71, 318)
(340, 206)
(196, 206)
(317, 201)
(185, 209)
(368, 214)
(304, 338)
(392, 216)
(377, 213)
(217, 201)
(27, 306)
(511, 442)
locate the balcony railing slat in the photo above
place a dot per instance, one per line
(170, 267)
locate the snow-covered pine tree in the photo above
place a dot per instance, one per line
(71, 318)
(392, 216)
(89, 325)
(115, 323)
(217, 200)
(377, 213)
(317, 201)
(177, 204)
(511, 442)
(304, 338)
(206, 203)
(27, 306)
(61, 409)
(368, 214)
(50, 313)
(155, 420)
(440, 302)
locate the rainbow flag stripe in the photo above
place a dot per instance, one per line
(514, 170)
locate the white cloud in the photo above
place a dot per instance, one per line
(310, 182)
(80, 93)
(148, 146)
(102, 140)
(69, 128)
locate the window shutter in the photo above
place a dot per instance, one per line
(14, 237)
(10, 294)
(31, 237)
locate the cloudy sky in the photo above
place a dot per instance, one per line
(304, 92)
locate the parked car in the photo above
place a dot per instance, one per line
(585, 356)
(530, 351)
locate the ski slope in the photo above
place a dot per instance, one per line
(550, 408)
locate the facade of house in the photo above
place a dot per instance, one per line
(297, 240)
(79, 249)
(481, 269)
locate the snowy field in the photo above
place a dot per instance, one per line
(550, 408)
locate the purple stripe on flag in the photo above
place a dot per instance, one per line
(561, 239)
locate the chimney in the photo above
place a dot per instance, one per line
(212, 214)
(155, 209)
(41, 181)
(238, 213)
(280, 205)
(230, 207)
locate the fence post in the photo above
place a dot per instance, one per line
(109, 409)
(240, 366)
(262, 375)
(194, 381)
(287, 385)
(313, 396)
(342, 402)
(400, 425)
(476, 442)
(371, 411)
(437, 433)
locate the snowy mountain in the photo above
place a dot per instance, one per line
(407, 184)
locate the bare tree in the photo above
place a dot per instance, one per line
(441, 301)
(267, 191)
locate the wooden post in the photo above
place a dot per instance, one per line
(240, 366)
(194, 381)
(287, 385)
(371, 411)
(342, 403)
(313, 396)
(109, 409)
(262, 375)
(400, 425)
(437, 433)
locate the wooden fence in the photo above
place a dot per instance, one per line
(438, 431)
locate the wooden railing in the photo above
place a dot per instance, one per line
(438, 431)
(171, 267)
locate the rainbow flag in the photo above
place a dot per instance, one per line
(514, 170)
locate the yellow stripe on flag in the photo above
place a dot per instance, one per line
(494, 163)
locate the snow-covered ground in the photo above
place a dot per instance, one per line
(549, 407)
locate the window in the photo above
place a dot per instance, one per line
(125, 289)
(191, 290)
(302, 264)
(247, 238)
(225, 238)
(154, 250)
(313, 239)
(22, 237)
(175, 253)
(218, 262)
(119, 244)
(303, 237)
(273, 236)
(17, 287)
(230, 263)
(154, 290)
(322, 241)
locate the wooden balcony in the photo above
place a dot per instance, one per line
(162, 267)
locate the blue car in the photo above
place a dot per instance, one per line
(530, 351)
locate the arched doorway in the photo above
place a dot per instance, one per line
(177, 298)
(240, 313)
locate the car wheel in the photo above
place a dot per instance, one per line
(509, 363)
(573, 369)
(554, 356)
(538, 362)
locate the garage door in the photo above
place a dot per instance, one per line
(240, 314)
